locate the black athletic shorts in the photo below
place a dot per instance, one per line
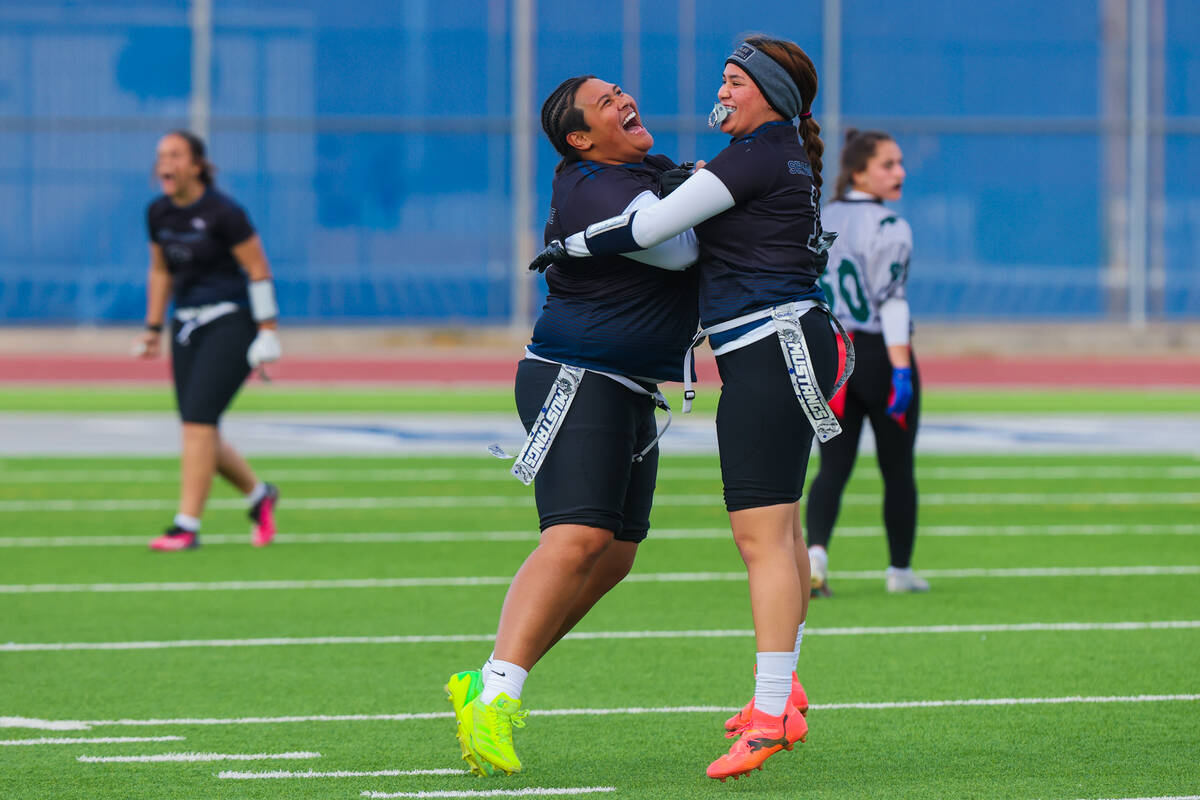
(762, 431)
(589, 476)
(212, 366)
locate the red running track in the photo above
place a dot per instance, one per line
(1048, 372)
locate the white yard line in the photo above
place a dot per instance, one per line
(319, 641)
(504, 580)
(92, 740)
(158, 757)
(531, 791)
(528, 535)
(661, 499)
(22, 722)
(494, 475)
(378, 773)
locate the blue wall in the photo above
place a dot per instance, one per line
(368, 141)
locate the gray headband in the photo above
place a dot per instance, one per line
(773, 80)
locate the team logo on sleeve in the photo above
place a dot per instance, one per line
(800, 168)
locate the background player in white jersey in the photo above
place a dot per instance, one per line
(864, 283)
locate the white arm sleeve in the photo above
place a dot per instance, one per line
(895, 320)
(676, 253)
(698, 198)
(887, 260)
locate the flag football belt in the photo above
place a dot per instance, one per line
(786, 320)
(554, 411)
(198, 316)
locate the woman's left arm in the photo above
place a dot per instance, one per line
(698, 198)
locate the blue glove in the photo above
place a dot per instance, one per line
(902, 391)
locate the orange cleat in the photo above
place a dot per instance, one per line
(735, 724)
(762, 738)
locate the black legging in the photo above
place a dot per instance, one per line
(866, 396)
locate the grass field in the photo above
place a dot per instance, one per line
(1058, 655)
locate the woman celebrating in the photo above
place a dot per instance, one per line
(756, 214)
(611, 328)
(207, 258)
(865, 286)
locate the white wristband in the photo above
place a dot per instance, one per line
(262, 300)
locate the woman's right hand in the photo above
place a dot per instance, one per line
(146, 345)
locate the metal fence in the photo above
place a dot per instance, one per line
(389, 152)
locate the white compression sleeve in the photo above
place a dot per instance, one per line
(698, 198)
(676, 253)
(894, 318)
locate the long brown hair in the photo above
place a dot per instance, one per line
(797, 63)
(857, 150)
(560, 117)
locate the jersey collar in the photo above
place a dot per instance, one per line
(855, 196)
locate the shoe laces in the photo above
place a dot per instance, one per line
(505, 722)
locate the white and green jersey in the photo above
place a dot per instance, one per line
(868, 262)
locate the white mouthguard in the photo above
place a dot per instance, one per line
(718, 115)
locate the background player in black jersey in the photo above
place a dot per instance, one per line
(868, 268)
(756, 214)
(206, 257)
(611, 329)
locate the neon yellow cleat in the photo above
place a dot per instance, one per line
(489, 733)
(461, 690)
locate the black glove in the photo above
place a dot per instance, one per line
(551, 253)
(669, 180)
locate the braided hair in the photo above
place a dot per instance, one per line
(560, 117)
(800, 67)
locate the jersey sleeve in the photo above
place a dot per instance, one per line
(150, 224)
(742, 169)
(887, 261)
(593, 200)
(234, 225)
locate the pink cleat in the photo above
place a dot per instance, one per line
(176, 538)
(263, 516)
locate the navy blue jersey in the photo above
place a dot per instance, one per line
(760, 253)
(611, 313)
(197, 242)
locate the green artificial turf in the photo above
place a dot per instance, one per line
(863, 646)
(292, 398)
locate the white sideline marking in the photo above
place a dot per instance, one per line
(379, 773)
(528, 535)
(26, 647)
(502, 580)
(526, 501)
(569, 712)
(196, 757)
(532, 791)
(86, 740)
(43, 724)
(401, 475)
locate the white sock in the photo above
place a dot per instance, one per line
(257, 493)
(796, 651)
(773, 682)
(820, 555)
(899, 570)
(188, 523)
(502, 677)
